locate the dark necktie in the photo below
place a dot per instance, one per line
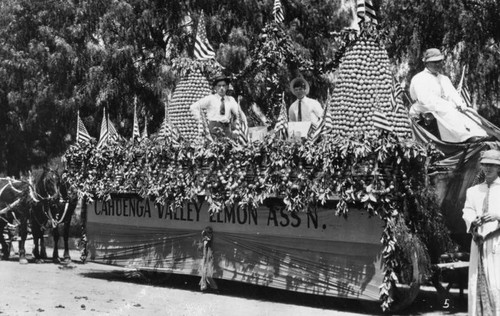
(300, 111)
(222, 107)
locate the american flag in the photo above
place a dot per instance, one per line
(169, 133)
(108, 131)
(281, 127)
(135, 132)
(396, 92)
(205, 130)
(366, 11)
(325, 125)
(279, 16)
(464, 92)
(202, 48)
(145, 130)
(241, 128)
(380, 119)
(82, 136)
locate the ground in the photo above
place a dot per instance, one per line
(96, 289)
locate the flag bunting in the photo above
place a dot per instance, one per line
(278, 13)
(366, 11)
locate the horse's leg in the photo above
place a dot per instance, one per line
(36, 232)
(5, 246)
(23, 233)
(67, 257)
(55, 253)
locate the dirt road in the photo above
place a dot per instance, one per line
(94, 289)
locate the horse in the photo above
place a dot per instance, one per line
(53, 216)
(57, 208)
(17, 199)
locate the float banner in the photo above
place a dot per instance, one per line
(312, 252)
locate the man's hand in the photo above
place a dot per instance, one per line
(488, 217)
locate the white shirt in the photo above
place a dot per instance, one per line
(436, 94)
(311, 110)
(212, 103)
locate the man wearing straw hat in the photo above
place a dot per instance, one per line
(304, 109)
(434, 93)
(481, 214)
(218, 106)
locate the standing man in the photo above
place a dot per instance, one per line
(482, 215)
(304, 109)
(434, 93)
(219, 106)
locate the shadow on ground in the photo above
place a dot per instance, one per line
(426, 302)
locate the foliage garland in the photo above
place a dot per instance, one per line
(383, 175)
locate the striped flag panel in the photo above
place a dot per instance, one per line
(202, 48)
(241, 128)
(380, 121)
(278, 13)
(281, 127)
(135, 132)
(366, 11)
(464, 92)
(82, 135)
(104, 134)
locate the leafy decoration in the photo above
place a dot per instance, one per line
(383, 175)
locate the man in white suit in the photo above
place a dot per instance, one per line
(482, 217)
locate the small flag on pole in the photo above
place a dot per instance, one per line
(135, 133)
(202, 48)
(205, 130)
(241, 127)
(278, 13)
(82, 136)
(366, 11)
(108, 131)
(380, 119)
(396, 92)
(463, 91)
(145, 130)
(325, 125)
(281, 127)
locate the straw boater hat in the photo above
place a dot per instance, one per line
(299, 81)
(491, 156)
(432, 54)
(218, 78)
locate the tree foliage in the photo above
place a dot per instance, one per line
(58, 57)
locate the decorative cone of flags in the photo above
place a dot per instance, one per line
(135, 133)
(279, 15)
(82, 136)
(202, 48)
(366, 11)
(108, 131)
(281, 127)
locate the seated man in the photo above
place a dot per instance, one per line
(303, 109)
(219, 107)
(434, 93)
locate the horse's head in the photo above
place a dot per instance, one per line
(46, 184)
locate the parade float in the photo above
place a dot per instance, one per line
(346, 215)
